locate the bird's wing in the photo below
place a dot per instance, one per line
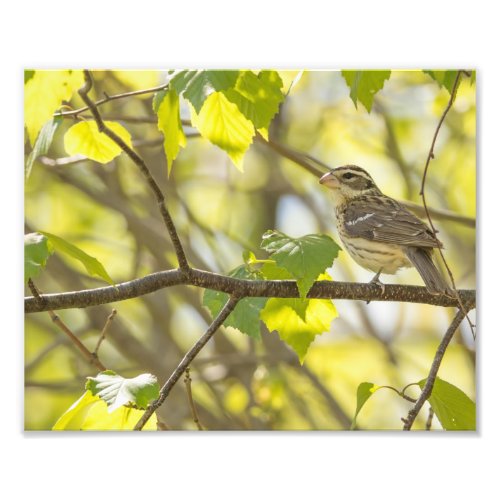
(387, 221)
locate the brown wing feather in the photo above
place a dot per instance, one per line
(386, 221)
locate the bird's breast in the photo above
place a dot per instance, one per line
(372, 255)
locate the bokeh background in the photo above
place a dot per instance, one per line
(239, 383)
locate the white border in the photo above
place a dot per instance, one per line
(312, 34)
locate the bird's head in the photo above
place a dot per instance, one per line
(349, 182)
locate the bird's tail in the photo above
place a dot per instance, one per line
(422, 260)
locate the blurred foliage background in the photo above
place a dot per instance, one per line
(239, 383)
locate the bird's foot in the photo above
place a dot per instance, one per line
(375, 281)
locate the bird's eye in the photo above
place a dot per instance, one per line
(348, 175)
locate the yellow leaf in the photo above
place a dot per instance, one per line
(169, 122)
(280, 315)
(221, 122)
(72, 419)
(91, 413)
(84, 138)
(43, 95)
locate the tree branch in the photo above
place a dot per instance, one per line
(431, 378)
(244, 288)
(186, 361)
(181, 257)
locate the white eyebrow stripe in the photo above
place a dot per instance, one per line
(359, 219)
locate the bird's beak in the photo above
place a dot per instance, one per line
(329, 180)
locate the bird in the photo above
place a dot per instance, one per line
(378, 232)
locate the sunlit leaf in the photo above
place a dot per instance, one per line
(280, 315)
(91, 413)
(257, 96)
(36, 253)
(223, 124)
(44, 93)
(169, 123)
(305, 258)
(196, 86)
(444, 78)
(454, 409)
(92, 265)
(74, 417)
(246, 314)
(364, 85)
(85, 139)
(117, 391)
(271, 271)
(42, 143)
(364, 392)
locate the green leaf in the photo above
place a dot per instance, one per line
(91, 413)
(223, 124)
(454, 409)
(44, 93)
(280, 315)
(364, 85)
(444, 78)
(92, 265)
(28, 75)
(36, 253)
(117, 391)
(169, 123)
(271, 271)
(196, 86)
(84, 138)
(305, 258)
(364, 392)
(246, 314)
(43, 142)
(258, 97)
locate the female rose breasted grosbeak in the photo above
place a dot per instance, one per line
(378, 232)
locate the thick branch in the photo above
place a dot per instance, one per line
(244, 288)
(431, 378)
(183, 264)
(187, 360)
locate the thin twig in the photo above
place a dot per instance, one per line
(76, 112)
(187, 360)
(94, 360)
(436, 363)
(430, 156)
(84, 91)
(245, 288)
(428, 424)
(194, 413)
(104, 330)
